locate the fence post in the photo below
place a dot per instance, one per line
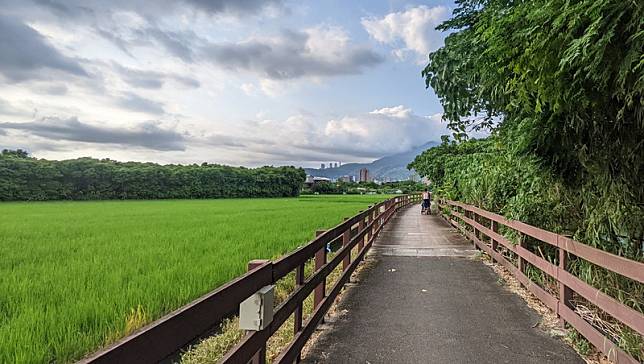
(565, 293)
(260, 356)
(361, 227)
(370, 210)
(346, 238)
(374, 222)
(477, 233)
(320, 260)
(470, 215)
(297, 322)
(495, 244)
(522, 262)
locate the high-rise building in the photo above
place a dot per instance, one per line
(364, 175)
(322, 166)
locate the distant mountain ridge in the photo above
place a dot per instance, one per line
(393, 167)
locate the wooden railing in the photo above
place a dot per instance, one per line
(173, 332)
(482, 227)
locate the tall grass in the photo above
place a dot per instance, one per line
(75, 276)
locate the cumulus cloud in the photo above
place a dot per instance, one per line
(305, 138)
(319, 51)
(410, 31)
(147, 135)
(383, 131)
(26, 54)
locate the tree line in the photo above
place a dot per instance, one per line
(23, 178)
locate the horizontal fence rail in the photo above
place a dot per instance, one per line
(173, 332)
(471, 221)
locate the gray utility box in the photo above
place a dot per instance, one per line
(256, 312)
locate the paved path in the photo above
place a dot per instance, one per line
(423, 300)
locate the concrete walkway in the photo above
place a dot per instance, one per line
(423, 299)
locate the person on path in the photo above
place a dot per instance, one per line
(426, 202)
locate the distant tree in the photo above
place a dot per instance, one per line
(18, 153)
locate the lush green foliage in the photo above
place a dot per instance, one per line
(24, 178)
(354, 188)
(559, 83)
(563, 80)
(77, 275)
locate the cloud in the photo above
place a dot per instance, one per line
(128, 23)
(147, 135)
(56, 89)
(239, 7)
(305, 138)
(140, 78)
(316, 52)
(88, 9)
(8, 108)
(175, 42)
(26, 54)
(399, 112)
(134, 102)
(383, 131)
(410, 31)
(186, 81)
(151, 79)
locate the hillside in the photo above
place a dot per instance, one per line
(393, 166)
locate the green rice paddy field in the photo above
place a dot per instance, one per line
(75, 276)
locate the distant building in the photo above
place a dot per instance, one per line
(322, 166)
(353, 178)
(311, 180)
(364, 175)
(346, 179)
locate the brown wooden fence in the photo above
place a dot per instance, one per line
(173, 332)
(482, 227)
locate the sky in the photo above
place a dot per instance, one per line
(239, 82)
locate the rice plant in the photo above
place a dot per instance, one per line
(75, 276)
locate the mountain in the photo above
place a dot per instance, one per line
(393, 167)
